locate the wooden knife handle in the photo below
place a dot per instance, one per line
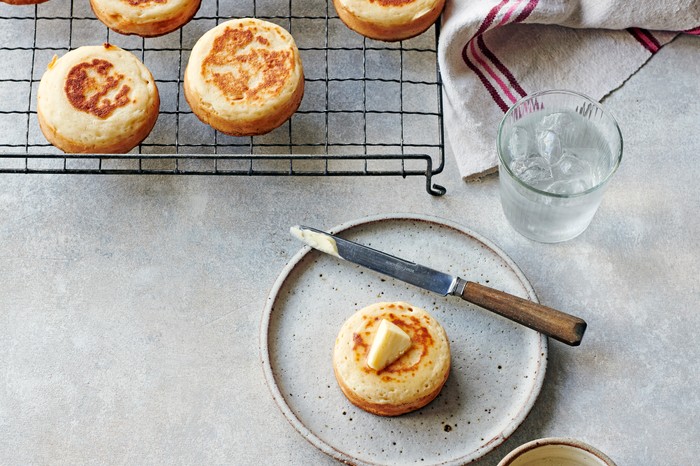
(556, 324)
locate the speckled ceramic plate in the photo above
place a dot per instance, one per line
(497, 366)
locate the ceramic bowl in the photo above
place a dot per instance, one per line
(556, 452)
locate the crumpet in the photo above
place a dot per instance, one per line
(411, 381)
(244, 77)
(97, 99)
(146, 18)
(23, 2)
(389, 20)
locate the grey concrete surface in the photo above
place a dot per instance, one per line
(130, 305)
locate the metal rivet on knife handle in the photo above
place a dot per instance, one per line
(556, 324)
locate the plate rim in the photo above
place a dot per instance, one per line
(327, 448)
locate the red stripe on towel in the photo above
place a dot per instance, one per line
(490, 17)
(489, 87)
(497, 79)
(645, 38)
(488, 77)
(526, 11)
(694, 31)
(495, 60)
(501, 67)
(510, 12)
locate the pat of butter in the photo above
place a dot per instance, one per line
(389, 344)
(316, 240)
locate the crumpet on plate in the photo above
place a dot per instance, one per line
(408, 383)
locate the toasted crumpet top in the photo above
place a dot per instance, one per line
(96, 93)
(389, 12)
(244, 67)
(144, 11)
(415, 373)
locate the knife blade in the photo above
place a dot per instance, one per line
(559, 325)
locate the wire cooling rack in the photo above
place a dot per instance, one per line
(370, 108)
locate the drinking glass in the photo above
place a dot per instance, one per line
(557, 151)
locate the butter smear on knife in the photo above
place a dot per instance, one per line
(316, 240)
(389, 344)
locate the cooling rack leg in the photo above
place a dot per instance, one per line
(434, 189)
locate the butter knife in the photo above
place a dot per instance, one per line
(551, 322)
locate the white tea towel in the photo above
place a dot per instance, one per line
(494, 52)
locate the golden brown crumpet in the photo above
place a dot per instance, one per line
(244, 77)
(389, 20)
(407, 384)
(146, 18)
(97, 99)
(23, 2)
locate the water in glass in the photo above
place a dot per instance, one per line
(562, 153)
